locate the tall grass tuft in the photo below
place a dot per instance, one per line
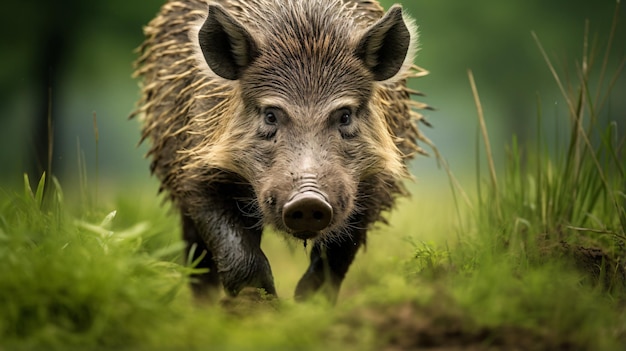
(67, 283)
(548, 254)
(565, 200)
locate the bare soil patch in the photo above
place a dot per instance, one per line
(409, 326)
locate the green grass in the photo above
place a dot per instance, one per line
(89, 279)
(534, 260)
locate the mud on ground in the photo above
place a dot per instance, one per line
(409, 326)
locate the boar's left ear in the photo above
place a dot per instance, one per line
(385, 45)
(227, 45)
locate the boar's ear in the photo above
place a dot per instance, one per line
(385, 45)
(227, 46)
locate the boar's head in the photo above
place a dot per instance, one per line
(309, 127)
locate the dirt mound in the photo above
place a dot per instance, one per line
(408, 326)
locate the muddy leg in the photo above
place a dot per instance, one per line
(329, 264)
(230, 236)
(203, 285)
(234, 241)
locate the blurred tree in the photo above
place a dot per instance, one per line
(44, 36)
(493, 38)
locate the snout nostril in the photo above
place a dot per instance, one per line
(307, 211)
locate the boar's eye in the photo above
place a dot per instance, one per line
(345, 117)
(270, 117)
(342, 116)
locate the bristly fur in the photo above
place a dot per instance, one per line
(293, 114)
(187, 111)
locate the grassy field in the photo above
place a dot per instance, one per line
(529, 258)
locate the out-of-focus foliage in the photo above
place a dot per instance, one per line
(83, 52)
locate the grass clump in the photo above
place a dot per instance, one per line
(70, 283)
(570, 200)
(550, 227)
(542, 246)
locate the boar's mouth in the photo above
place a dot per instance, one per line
(305, 235)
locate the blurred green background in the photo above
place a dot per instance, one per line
(74, 60)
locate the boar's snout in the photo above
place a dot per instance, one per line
(308, 210)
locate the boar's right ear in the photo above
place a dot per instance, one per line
(227, 46)
(385, 46)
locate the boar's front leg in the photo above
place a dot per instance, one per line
(329, 264)
(204, 284)
(233, 247)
